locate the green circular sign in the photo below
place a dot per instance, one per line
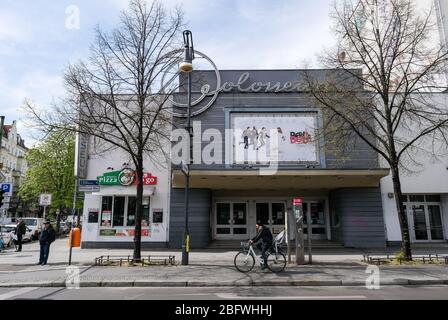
(126, 177)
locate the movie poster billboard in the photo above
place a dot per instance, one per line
(282, 137)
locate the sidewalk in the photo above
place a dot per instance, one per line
(207, 268)
(59, 254)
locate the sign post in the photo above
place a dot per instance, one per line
(45, 200)
(310, 233)
(298, 213)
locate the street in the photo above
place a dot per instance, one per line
(230, 293)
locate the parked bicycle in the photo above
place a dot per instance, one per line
(276, 260)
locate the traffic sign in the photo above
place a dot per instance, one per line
(7, 187)
(45, 199)
(297, 202)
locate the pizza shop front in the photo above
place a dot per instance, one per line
(109, 213)
(261, 146)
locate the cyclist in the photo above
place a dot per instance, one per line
(265, 235)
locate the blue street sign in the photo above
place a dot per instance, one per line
(7, 187)
(88, 182)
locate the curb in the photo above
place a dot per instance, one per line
(235, 283)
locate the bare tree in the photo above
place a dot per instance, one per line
(118, 97)
(386, 46)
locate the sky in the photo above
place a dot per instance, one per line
(40, 38)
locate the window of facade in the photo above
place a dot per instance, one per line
(121, 211)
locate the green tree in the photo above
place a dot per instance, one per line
(51, 170)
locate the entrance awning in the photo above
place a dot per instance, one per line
(284, 179)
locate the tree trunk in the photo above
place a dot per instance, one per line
(402, 216)
(139, 211)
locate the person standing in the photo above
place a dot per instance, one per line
(20, 231)
(47, 236)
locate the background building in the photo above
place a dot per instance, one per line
(425, 185)
(12, 157)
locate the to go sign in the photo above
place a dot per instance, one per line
(149, 180)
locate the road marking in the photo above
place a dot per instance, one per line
(234, 296)
(16, 293)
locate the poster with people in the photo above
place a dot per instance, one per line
(282, 137)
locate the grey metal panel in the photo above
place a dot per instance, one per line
(361, 217)
(214, 118)
(198, 218)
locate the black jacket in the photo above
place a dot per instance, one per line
(264, 234)
(21, 228)
(47, 236)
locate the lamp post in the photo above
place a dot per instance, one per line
(186, 66)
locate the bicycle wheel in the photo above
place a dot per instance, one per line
(276, 262)
(244, 262)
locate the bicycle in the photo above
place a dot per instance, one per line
(245, 259)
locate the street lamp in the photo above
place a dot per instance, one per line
(186, 66)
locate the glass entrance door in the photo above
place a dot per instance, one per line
(420, 226)
(231, 221)
(426, 222)
(272, 214)
(318, 219)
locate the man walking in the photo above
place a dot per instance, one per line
(47, 236)
(20, 231)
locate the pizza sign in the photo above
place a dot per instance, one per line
(125, 178)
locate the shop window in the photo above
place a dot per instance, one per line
(132, 211)
(118, 212)
(106, 211)
(145, 218)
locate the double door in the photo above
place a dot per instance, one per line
(231, 221)
(272, 214)
(425, 221)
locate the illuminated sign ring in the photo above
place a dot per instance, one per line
(205, 89)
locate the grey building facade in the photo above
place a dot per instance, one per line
(263, 118)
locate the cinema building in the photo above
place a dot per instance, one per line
(264, 116)
(257, 146)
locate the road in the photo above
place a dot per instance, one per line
(232, 293)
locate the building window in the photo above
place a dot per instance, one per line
(132, 211)
(118, 212)
(106, 211)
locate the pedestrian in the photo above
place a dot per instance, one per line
(20, 232)
(47, 236)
